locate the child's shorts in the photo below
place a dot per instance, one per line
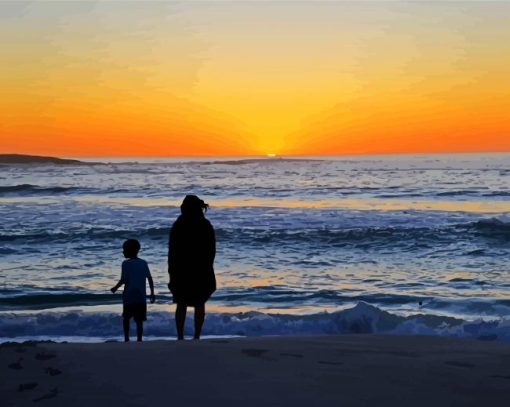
(136, 311)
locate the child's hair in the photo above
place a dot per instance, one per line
(131, 247)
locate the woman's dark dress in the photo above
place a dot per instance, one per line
(191, 252)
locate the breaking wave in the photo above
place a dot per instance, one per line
(361, 319)
(485, 228)
(28, 189)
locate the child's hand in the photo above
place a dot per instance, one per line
(152, 298)
(113, 289)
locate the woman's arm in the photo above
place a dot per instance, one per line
(172, 242)
(211, 244)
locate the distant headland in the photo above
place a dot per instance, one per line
(6, 159)
(36, 159)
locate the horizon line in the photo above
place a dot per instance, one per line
(264, 155)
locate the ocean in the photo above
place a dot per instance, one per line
(395, 244)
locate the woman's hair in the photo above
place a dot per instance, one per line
(192, 205)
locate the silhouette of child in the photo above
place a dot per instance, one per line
(134, 273)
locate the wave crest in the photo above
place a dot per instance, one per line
(361, 319)
(25, 189)
(408, 236)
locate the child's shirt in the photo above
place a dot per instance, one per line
(134, 275)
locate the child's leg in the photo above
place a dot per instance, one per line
(180, 317)
(126, 329)
(139, 330)
(199, 320)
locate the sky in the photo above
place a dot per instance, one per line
(105, 78)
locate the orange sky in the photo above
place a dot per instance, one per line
(218, 78)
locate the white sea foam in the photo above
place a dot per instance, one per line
(361, 319)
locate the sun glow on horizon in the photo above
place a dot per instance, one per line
(245, 78)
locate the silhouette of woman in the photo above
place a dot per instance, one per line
(191, 252)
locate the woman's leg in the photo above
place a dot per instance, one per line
(180, 317)
(199, 320)
(125, 324)
(139, 330)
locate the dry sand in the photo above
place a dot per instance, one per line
(352, 370)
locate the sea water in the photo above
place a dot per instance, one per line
(305, 245)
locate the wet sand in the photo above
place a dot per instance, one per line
(351, 370)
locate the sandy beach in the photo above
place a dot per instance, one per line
(298, 371)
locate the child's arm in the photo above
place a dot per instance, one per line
(122, 280)
(151, 285)
(116, 286)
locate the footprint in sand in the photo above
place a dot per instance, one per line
(500, 376)
(27, 386)
(16, 365)
(326, 362)
(255, 353)
(459, 364)
(45, 356)
(292, 355)
(52, 371)
(50, 395)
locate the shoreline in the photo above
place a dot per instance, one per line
(77, 325)
(342, 370)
